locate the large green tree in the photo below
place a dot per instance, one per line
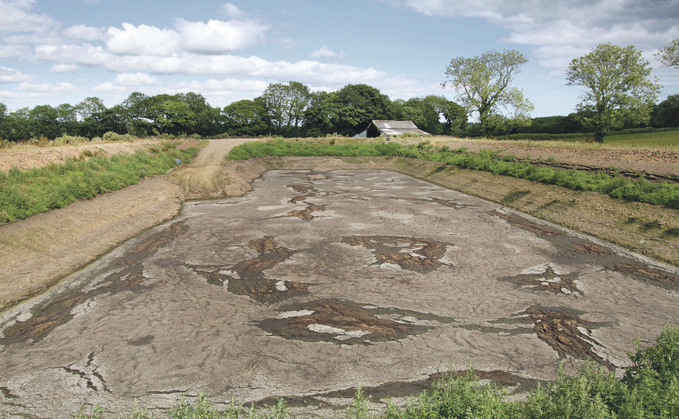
(246, 118)
(669, 55)
(618, 87)
(483, 85)
(42, 121)
(286, 105)
(357, 105)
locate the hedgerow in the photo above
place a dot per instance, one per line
(637, 190)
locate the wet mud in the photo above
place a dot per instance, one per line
(414, 254)
(547, 279)
(564, 330)
(247, 277)
(317, 282)
(346, 322)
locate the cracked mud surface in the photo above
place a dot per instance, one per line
(315, 283)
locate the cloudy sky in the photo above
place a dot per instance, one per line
(62, 51)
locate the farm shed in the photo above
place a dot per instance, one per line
(390, 128)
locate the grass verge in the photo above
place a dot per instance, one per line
(648, 388)
(28, 192)
(636, 190)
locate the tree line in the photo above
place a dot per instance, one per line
(619, 93)
(285, 109)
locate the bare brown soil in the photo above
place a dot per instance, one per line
(654, 161)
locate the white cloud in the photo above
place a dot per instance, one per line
(142, 40)
(63, 68)
(135, 79)
(217, 36)
(47, 88)
(10, 75)
(560, 28)
(17, 16)
(325, 52)
(85, 33)
(232, 11)
(85, 54)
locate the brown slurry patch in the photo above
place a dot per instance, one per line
(248, 278)
(563, 330)
(307, 214)
(339, 321)
(648, 274)
(414, 254)
(547, 280)
(306, 191)
(59, 309)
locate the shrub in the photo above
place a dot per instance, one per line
(114, 136)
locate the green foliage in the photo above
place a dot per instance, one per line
(666, 114)
(618, 87)
(638, 190)
(27, 192)
(669, 55)
(113, 136)
(483, 84)
(458, 397)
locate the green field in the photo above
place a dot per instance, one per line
(643, 137)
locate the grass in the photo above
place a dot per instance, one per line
(636, 190)
(649, 388)
(642, 137)
(28, 192)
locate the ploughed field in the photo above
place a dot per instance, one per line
(317, 282)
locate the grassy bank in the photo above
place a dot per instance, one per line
(649, 388)
(636, 190)
(27, 192)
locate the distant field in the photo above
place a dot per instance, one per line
(664, 138)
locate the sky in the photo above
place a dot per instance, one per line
(63, 51)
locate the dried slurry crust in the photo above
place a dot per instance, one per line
(411, 253)
(574, 249)
(59, 310)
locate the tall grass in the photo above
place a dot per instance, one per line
(637, 190)
(27, 192)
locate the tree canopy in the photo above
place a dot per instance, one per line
(618, 87)
(483, 84)
(669, 55)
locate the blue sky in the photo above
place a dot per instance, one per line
(62, 51)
